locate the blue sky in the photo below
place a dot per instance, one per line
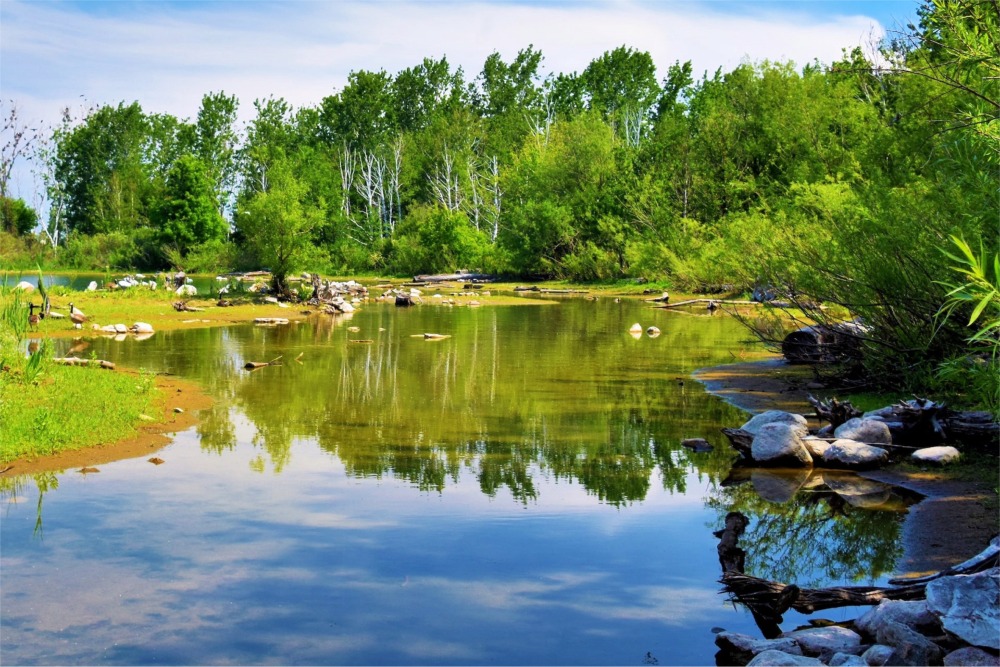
(167, 55)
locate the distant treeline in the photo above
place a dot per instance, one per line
(839, 182)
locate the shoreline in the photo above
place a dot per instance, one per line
(951, 524)
(149, 438)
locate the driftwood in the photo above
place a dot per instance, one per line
(254, 365)
(183, 307)
(833, 410)
(984, 560)
(717, 302)
(454, 277)
(75, 361)
(822, 343)
(526, 288)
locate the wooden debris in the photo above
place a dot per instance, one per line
(156, 460)
(254, 365)
(360, 340)
(717, 302)
(270, 321)
(524, 288)
(75, 361)
(434, 336)
(833, 411)
(183, 307)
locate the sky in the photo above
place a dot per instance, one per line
(168, 55)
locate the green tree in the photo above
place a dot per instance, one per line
(188, 215)
(18, 218)
(276, 222)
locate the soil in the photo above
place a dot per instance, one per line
(955, 521)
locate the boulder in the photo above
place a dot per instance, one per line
(816, 446)
(92, 286)
(847, 660)
(778, 486)
(969, 606)
(971, 656)
(142, 328)
(186, 290)
(776, 416)
(869, 431)
(913, 614)
(831, 639)
(779, 443)
(877, 655)
(854, 455)
(743, 646)
(121, 328)
(936, 455)
(24, 286)
(781, 659)
(909, 646)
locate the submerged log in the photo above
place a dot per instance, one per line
(254, 365)
(75, 361)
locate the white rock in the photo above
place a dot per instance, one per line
(869, 431)
(937, 455)
(186, 290)
(815, 445)
(142, 328)
(776, 416)
(635, 328)
(25, 286)
(92, 287)
(781, 659)
(779, 443)
(831, 639)
(967, 606)
(855, 455)
(121, 328)
(652, 332)
(911, 613)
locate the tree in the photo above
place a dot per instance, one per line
(622, 86)
(276, 222)
(188, 214)
(18, 141)
(18, 217)
(215, 144)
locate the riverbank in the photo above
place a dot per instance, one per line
(174, 409)
(958, 516)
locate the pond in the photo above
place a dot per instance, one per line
(513, 494)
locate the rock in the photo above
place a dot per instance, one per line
(186, 290)
(178, 410)
(780, 659)
(847, 659)
(92, 286)
(969, 606)
(345, 308)
(635, 328)
(831, 639)
(877, 655)
(142, 328)
(854, 455)
(697, 444)
(973, 656)
(869, 431)
(778, 486)
(740, 645)
(121, 328)
(778, 443)
(816, 446)
(936, 455)
(652, 332)
(913, 614)
(909, 646)
(24, 286)
(881, 413)
(776, 416)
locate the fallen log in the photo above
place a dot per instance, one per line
(183, 307)
(270, 320)
(808, 600)
(526, 288)
(726, 302)
(984, 560)
(455, 277)
(254, 365)
(75, 361)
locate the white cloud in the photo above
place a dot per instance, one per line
(167, 56)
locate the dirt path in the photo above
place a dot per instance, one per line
(955, 521)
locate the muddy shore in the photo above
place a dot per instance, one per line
(954, 521)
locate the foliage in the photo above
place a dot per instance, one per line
(187, 214)
(16, 217)
(433, 239)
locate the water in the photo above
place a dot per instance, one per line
(513, 494)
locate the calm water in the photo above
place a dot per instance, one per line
(514, 494)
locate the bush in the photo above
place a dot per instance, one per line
(431, 239)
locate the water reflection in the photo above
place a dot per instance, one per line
(814, 526)
(411, 502)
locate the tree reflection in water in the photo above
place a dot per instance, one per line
(810, 527)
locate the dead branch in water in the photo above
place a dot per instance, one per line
(76, 361)
(254, 365)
